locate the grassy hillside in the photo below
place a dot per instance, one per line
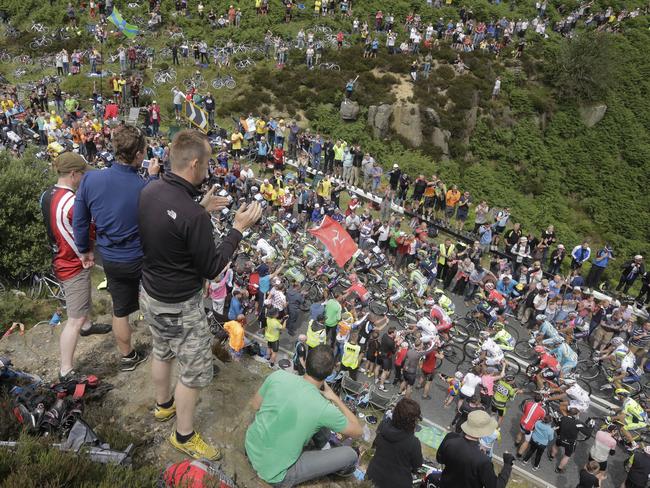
(528, 150)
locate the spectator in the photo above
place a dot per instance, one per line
(115, 216)
(579, 255)
(398, 453)
(631, 271)
(465, 464)
(180, 253)
(604, 446)
(567, 435)
(308, 405)
(590, 477)
(300, 355)
(598, 265)
(57, 205)
(638, 469)
(236, 336)
(541, 437)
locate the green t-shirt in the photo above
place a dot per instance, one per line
(332, 312)
(292, 411)
(272, 330)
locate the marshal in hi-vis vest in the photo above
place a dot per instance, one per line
(350, 357)
(315, 338)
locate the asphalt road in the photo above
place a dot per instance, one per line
(435, 414)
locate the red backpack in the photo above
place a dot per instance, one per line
(195, 473)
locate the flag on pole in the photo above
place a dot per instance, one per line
(196, 115)
(336, 239)
(128, 30)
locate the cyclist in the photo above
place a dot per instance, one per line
(615, 351)
(266, 250)
(567, 357)
(428, 330)
(312, 255)
(545, 332)
(489, 313)
(444, 301)
(495, 297)
(626, 369)
(632, 416)
(549, 367)
(358, 289)
(442, 321)
(491, 353)
(570, 395)
(502, 337)
(278, 230)
(396, 288)
(418, 279)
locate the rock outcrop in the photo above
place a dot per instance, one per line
(349, 109)
(592, 114)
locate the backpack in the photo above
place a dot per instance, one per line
(196, 473)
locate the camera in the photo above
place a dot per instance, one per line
(145, 163)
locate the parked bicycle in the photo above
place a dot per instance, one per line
(224, 82)
(40, 42)
(244, 64)
(329, 66)
(46, 286)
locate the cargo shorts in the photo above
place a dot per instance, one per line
(180, 330)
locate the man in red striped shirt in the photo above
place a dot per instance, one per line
(56, 204)
(533, 411)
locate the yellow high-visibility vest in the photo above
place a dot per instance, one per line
(445, 253)
(315, 338)
(350, 357)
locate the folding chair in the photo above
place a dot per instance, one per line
(352, 387)
(380, 402)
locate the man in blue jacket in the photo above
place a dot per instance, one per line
(108, 199)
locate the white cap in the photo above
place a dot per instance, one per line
(638, 257)
(266, 181)
(396, 166)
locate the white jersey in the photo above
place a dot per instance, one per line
(265, 249)
(628, 362)
(578, 398)
(492, 349)
(427, 327)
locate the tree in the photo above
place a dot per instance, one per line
(584, 67)
(23, 239)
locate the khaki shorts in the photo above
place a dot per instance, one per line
(180, 330)
(602, 336)
(78, 295)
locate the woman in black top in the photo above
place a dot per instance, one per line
(398, 453)
(589, 475)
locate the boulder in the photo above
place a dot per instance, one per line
(592, 114)
(432, 117)
(440, 138)
(407, 122)
(349, 109)
(379, 120)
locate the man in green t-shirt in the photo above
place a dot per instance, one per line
(290, 410)
(333, 311)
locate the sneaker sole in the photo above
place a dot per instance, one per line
(164, 419)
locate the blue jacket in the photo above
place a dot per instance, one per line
(543, 434)
(110, 199)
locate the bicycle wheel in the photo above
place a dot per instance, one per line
(453, 353)
(36, 288)
(513, 331)
(378, 308)
(524, 350)
(459, 333)
(240, 66)
(216, 84)
(335, 67)
(587, 369)
(231, 84)
(470, 349)
(470, 326)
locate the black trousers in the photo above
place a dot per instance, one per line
(537, 449)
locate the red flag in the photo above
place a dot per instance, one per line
(337, 240)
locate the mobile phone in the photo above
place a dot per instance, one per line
(145, 163)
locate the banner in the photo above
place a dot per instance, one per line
(127, 29)
(336, 239)
(196, 115)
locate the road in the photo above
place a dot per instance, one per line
(435, 415)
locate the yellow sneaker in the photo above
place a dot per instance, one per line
(196, 447)
(164, 414)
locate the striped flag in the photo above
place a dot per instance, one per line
(127, 29)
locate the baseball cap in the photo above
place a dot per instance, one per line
(68, 162)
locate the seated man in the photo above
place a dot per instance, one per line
(290, 410)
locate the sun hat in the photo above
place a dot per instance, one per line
(68, 162)
(479, 424)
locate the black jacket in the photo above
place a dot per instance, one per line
(466, 466)
(397, 455)
(177, 239)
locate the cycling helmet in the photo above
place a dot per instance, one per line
(498, 326)
(458, 375)
(617, 341)
(540, 349)
(255, 237)
(541, 317)
(510, 378)
(484, 334)
(622, 393)
(412, 267)
(254, 189)
(520, 287)
(430, 302)
(489, 286)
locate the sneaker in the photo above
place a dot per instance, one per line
(162, 414)
(96, 328)
(129, 364)
(196, 447)
(525, 461)
(381, 387)
(558, 470)
(535, 468)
